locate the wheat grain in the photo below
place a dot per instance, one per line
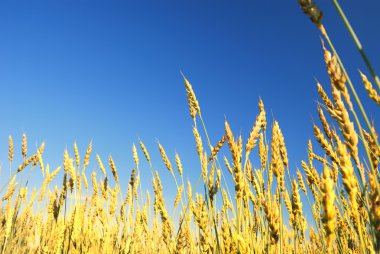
(77, 156)
(100, 163)
(86, 160)
(192, 100)
(145, 151)
(10, 149)
(113, 169)
(24, 148)
(372, 93)
(135, 156)
(328, 196)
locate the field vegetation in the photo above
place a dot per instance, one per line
(262, 212)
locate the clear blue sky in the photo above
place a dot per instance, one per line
(109, 71)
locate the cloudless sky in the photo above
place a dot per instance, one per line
(109, 71)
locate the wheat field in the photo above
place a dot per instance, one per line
(264, 211)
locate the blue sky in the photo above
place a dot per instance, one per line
(109, 71)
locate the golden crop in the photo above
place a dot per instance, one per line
(263, 213)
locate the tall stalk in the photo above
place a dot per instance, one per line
(358, 45)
